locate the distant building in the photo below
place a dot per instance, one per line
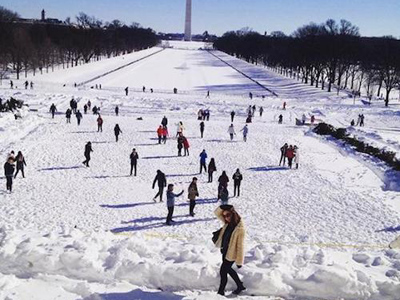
(42, 20)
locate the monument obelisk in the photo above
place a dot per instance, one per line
(188, 21)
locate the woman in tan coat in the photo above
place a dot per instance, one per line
(192, 194)
(231, 242)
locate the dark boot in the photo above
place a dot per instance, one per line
(239, 289)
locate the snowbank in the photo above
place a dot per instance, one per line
(176, 265)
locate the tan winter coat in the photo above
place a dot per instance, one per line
(193, 192)
(236, 245)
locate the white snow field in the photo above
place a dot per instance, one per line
(71, 232)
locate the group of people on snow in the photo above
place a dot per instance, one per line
(13, 164)
(290, 153)
(360, 121)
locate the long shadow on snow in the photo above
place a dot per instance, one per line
(84, 131)
(389, 229)
(129, 205)
(268, 169)
(158, 225)
(222, 141)
(201, 202)
(139, 294)
(61, 168)
(150, 219)
(159, 157)
(107, 176)
(181, 175)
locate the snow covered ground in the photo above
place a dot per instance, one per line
(320, 232)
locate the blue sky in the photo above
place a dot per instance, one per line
(373, 17)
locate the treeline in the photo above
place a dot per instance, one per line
(329, 55)
(37, 46)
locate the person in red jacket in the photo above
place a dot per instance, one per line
(290, 155)
(186, 146)
(160, 132)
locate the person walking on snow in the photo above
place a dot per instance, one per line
(231, 131)
(20, 164)
(284, 149)
(171, 202)
(160, 132)
(116, 110)
(79, 117)
(202, 129)
(230, 240)
(362, 120)
(211, 169)
(192, 194)
(284, 105)
(303, 119)
(126, 91)
(68, 114)
(232, 116)
(261, 111)
(180, 141)
(237, 179)
(85, 108)
(186, 146)
(117, 131)
(164, 121)
(165, 134)
(280, 119)
(179, 128)
(134, 158)
(290, 155)
(245, 130)
(222, 182)
(88, 150)
(53, 110)
(296, 156)
(99, 124)
(162, 183)
(203, 158)
(9, 169)
(224, 195)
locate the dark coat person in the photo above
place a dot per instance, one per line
(88, 150)
(9, 169)
(161, 180)
(134, 158)
(20, 159)
(237, 179)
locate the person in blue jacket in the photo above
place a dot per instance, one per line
(171, 202)
(203, 158)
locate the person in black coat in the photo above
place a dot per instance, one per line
(202, 129)
(117, 131)
(9, 169)
(232, 116)
(237, 179)
(20, 164)
(223, 182)
(284, 149)
(164, 121)
(116, 110)
(68, 114)
(79, 117)
(53, 110)
(180, 141)
(134, 158)
(88, 149)
(162, 183)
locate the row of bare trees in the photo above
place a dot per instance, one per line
(329, 55)
(37, 46)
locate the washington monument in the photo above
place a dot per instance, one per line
(188, 21)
